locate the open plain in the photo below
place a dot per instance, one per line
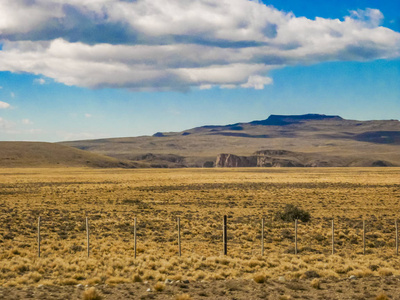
(112, 198)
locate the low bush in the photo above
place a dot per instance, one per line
(91, 294)
(292, 212)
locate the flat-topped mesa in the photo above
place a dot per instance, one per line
(282, 120)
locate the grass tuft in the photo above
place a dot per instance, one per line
(183, 297)
(159, 286)
(91, 294)
(259, 278)
(316, 283)
(382, 296)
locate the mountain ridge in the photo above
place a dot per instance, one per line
(320, 140)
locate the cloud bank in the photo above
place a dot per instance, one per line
(4, 105)
(178, 44)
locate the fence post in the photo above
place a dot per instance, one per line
(87, 237)
(295, 236)
(397, 237)
(134, 235)
(38, 238)
(225, 237)
(363, 237)
(333, 237)
(179, 236)
(262, 237)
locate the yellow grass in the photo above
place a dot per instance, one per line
(112, 198)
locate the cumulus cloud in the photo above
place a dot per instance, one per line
(40, 81)
(257, 82)
(179, 44)
(4, 105)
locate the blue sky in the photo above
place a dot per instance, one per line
(78, 70)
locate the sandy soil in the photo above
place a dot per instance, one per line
(361, 288)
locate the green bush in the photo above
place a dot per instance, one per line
(292, 212)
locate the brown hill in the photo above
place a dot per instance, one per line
(33, 154)
(316, 140)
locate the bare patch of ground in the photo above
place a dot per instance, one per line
(360, 288)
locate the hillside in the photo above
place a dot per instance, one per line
(314, 140)
(33, 154)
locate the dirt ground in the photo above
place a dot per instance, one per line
(360, 288)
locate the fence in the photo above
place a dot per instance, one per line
(225, 240)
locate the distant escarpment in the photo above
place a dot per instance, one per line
(265, 158)
(283, 158)
(234, 161)
(282, 120)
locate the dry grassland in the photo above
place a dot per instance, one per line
(200, 197)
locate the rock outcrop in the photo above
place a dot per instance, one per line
(265, 158)
(277, 158)
(234, 161)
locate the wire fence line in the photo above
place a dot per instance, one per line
(295, 236)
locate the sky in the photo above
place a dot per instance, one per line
(87, 69)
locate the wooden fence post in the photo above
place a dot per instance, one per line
(87, 237)
(363, 237)
(179, 236)
(333, 237)
(295, 236)
(262, 237)
(397, 237)
(134, 235)
(225, 237)
(38, 238)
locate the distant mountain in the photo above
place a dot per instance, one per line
(279, 120)
(311, 140)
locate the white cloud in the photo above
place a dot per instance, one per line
(257, 82)
(88, 115)
(40, 81)
(73, 136)
(26, 122)
(373, 17)
(12, 94)
(4, 105)
(205, 87)
(179, 44)
(14, 131)
(6, 125)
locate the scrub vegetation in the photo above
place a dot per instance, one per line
(112, 198)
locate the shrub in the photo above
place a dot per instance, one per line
(91, 294)
(259, 278)
(116, 280)
(292, 212)
(382, 297)
(136, 278)
(385, 272)
(159, 286)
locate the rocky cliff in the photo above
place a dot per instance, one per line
(234, 161)
(266, 158)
